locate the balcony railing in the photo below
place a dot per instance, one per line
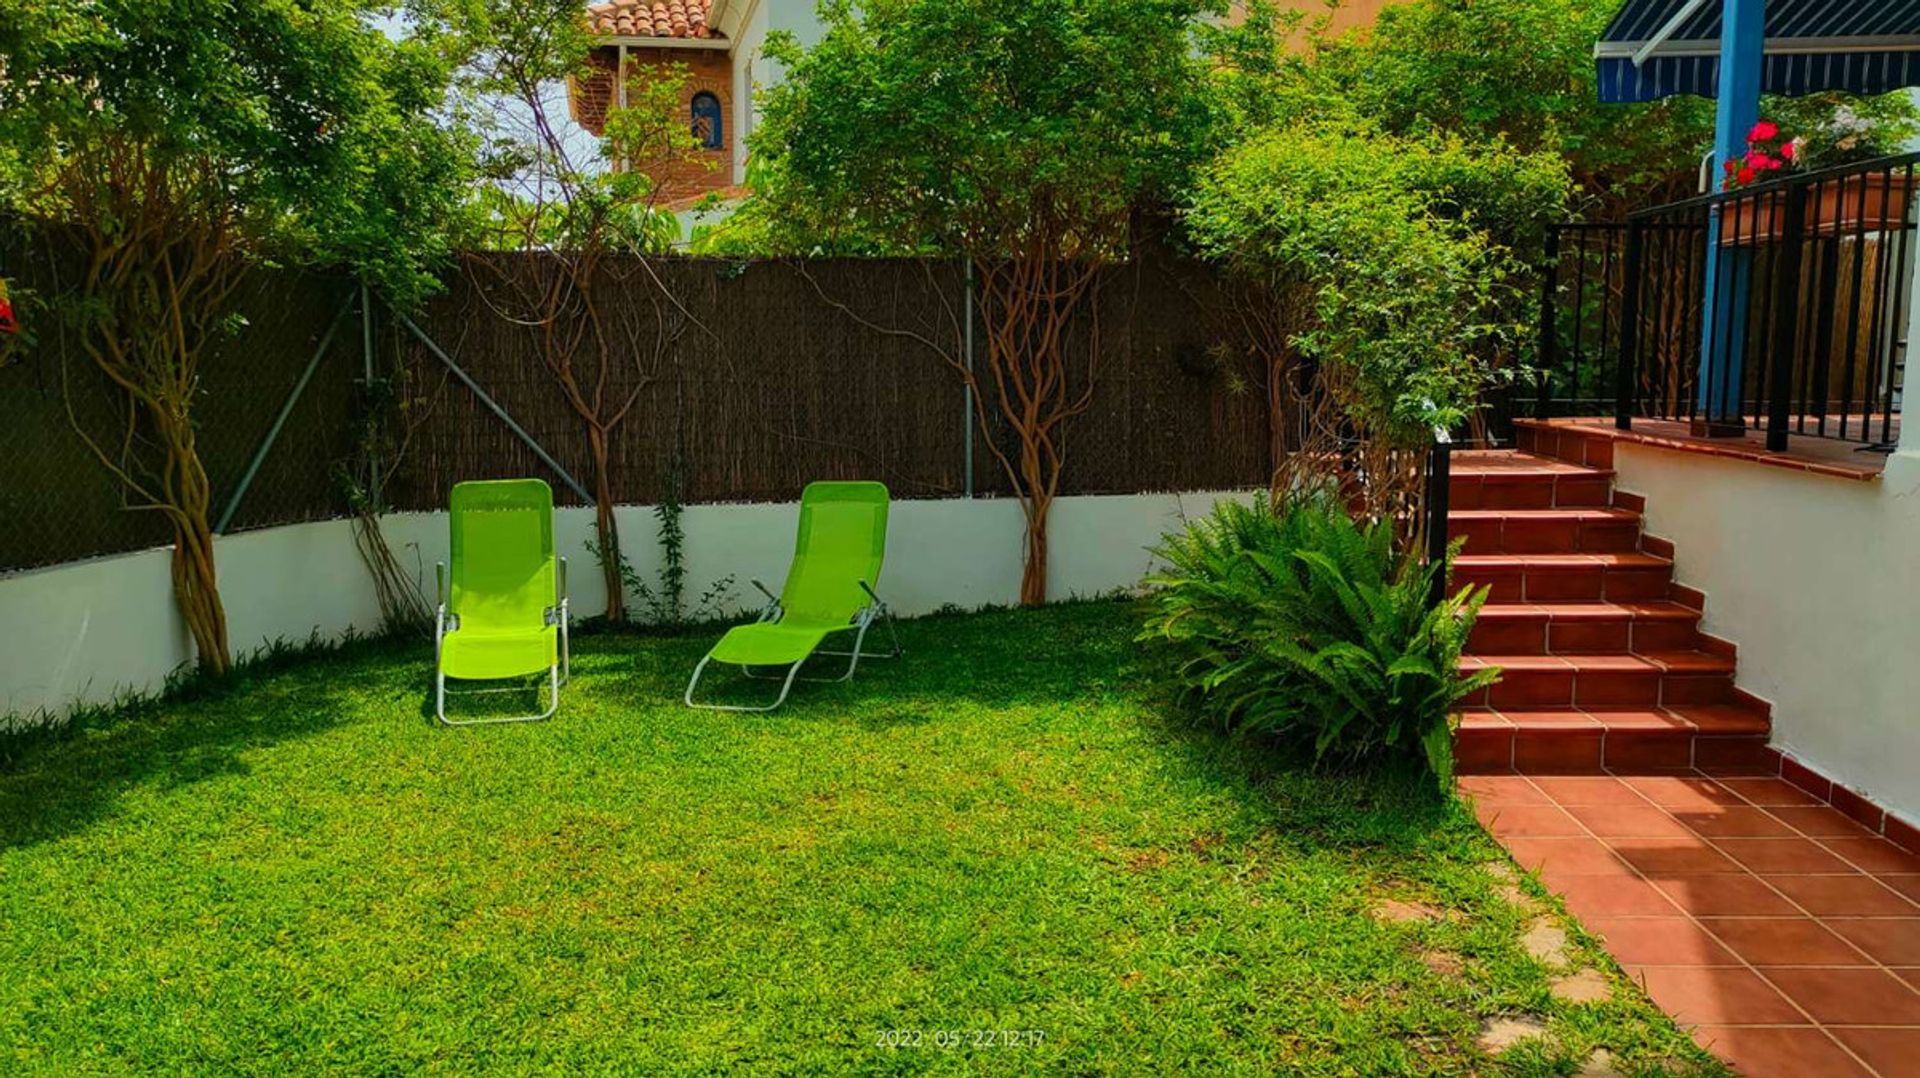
(1811, 286)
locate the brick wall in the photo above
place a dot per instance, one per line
(698, 71)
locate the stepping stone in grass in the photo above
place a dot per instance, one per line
(1444, 963)
(1499, 1034)
(1395, 911)
(1599, 1065)
(1547, 942)
(1586, 986)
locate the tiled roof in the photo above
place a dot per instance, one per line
(651, 18)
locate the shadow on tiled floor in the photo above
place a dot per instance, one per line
(1784, 934)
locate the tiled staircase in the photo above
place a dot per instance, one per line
(1605, 666)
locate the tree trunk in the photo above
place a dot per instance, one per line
(606, 531)
(195, 578)
(1033, 575)
(1039, 487)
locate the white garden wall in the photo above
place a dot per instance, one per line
(1817, 579)
(87, 631)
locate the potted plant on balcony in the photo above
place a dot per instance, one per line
(1856, 203)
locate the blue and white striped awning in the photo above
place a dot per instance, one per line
(1657, 48)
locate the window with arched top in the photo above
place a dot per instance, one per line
(708, 125)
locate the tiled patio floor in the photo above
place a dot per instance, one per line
(1785, 934)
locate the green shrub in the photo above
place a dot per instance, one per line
(1300, 624)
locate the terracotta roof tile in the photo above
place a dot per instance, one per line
(652, 18)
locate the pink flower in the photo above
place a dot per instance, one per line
(1787, 151)
(1763, 131)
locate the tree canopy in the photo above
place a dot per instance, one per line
(317, 129)
(980, 126)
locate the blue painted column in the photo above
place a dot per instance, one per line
(1729, 270)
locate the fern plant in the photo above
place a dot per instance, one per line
(1298, 623)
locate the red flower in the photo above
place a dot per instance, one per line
(7, 322)
(1787, 151)
(1745, 175)
(1730, 166)
(1763, 162)
(1763, 131)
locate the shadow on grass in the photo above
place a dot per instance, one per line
(59, 779)
(1064, 656)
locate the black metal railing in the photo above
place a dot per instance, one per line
(1438, 504)
(1808, 304)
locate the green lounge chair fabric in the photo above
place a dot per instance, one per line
(502, 613)
(840, 545)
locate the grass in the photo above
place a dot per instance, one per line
(993, 855)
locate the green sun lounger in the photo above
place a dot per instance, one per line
(505, 614)
(830, 589)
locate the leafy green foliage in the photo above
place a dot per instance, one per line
(1298, 623)
(1412, 294)
(981, 126)
(297, 872)
(320, 128)
(544, 190)
(1518, 71)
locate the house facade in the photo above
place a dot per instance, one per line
(715, 50)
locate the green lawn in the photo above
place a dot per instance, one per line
(997, 833)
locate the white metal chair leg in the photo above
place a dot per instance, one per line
(440, 702)
(785, 688)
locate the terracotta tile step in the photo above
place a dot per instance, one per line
(1627, 741)
(1561, 485)
(1584, 628)
(1589, 530)
(1560, 578)
(1588, 681)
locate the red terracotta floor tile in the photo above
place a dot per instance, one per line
(1683, 791)
(1906, 885)
(1613, 896)
(1567, 855)
(1659, 941)
(1845, 896)
(1584, 790)
(1661, 858)
(1734, 821)
(1892, 941)
(1716, 996)
(1779, 1051)
(1819, 821)
(1742, 895)
(1875, 855)
(1544, 821)
(1502, 790)
(1784, 941)
(1889, 1051)
(1910, 974)
(1864, 997)
(1771, 792)
(1628, 821)
(1782, 856)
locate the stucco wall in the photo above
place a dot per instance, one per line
(86, 631)
(1818, 581)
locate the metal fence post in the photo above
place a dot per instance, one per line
(1626, 374)
(1439, 496)
(1786, 297)
(1549, 333)
(494, 407)
(280, 421)
(966, 421)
